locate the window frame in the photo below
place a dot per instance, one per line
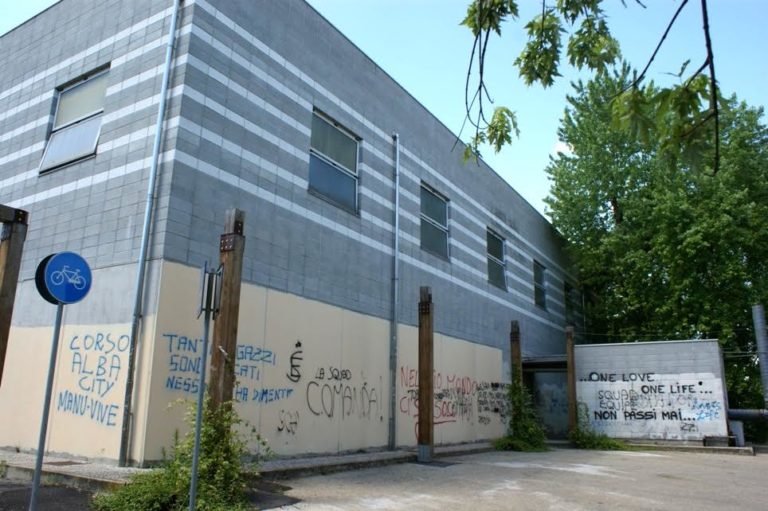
(355, 176)
(539, 288)
(492, 259)
(424, 187)
(57, 130)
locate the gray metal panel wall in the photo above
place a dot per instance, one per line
(94, 206)
(256, 70)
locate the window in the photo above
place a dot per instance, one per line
(496, 273)
(434, 222)
(77, 124)
(572, 306)
(539, 285)
(333, 163)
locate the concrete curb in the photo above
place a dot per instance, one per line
(89, 476)
(739, 451)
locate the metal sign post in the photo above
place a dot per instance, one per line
(61, 278)
(210, 298)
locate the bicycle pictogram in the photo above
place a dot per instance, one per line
(72, 277)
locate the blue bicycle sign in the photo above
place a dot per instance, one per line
(63, 278)
(72, 276)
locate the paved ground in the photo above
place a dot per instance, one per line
(562, 479)
(14, 496)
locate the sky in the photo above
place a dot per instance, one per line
(421, 45)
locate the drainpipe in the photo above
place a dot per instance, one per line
(143, 253)
(395, 302)
(761, 339)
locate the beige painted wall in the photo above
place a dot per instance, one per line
(89, 384)
(312, 378)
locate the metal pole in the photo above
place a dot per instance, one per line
(392, 439)
(201, 391)
(46, 406)
(758, 319)
(143, 252)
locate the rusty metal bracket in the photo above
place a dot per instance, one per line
(227, 242)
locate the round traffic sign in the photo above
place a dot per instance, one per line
(64, 277)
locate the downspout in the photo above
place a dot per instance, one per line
(142, 262)
(393, 338)
(761, 340)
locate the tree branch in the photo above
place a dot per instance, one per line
(641, 76)
(712, 85)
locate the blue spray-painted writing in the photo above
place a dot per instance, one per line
(85, 406)
(262, 395)
(184, 359)
(96, 361)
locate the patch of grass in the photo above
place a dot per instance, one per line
(3, 469)
(584, 438)
(526, 429)
(221, 472)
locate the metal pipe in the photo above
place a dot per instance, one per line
(208, 304)
(761, 338)
(395, 303)
(747, 415)
(142, 262)
(46, 408)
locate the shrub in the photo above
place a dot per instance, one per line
(221, 473)
(584, 437)
(526, 429)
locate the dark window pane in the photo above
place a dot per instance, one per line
(540, 293)
(71, 143)
(433, 207)
(333, 183)
(334, 144)
(496, 274)
(495, 246)
(433, 239)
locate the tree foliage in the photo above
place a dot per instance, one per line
(684, 116)
(663, 254)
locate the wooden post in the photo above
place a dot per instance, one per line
(426, 370)
(517, 358)
(573, 423)
(14, 231)
(224, 349)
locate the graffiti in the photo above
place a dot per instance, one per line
(343, 400)
(96, 361)
(183, 384)
(185, 364)
(249, 361)
(269, 395)
(255, 354)
(492, 397)
(289, 422)
(456, 398)
(616, 377)
(96, 364)
(647, 404)
(688, 427)
(296, 357)
(85, 406)
(334, 373)
(707, 410)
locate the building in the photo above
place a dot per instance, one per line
(273, 111)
